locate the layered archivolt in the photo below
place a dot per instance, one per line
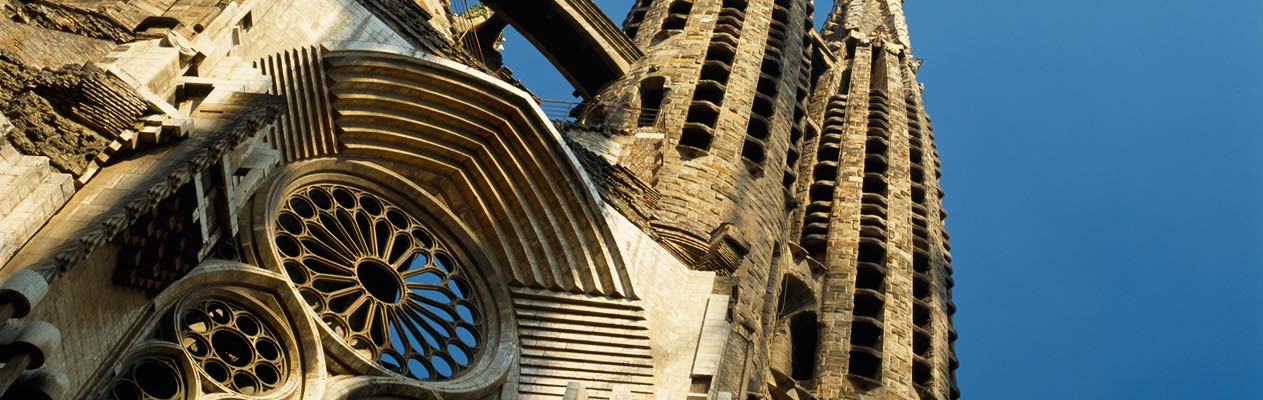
(488, 151)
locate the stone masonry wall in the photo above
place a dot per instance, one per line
(840, 261)
(720, 201)
(889, 193)
(941, 353)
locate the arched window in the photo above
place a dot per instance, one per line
(804, 333)
(652, 91)
(677, 15)
(795, 308)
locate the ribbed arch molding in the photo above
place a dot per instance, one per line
(492, 152)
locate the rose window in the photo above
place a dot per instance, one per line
(233, 347)
(379, 279)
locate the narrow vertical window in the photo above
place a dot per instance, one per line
(652, 90)
(804, 331)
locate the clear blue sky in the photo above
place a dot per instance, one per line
(1104, 183)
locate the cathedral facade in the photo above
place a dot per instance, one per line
(355, 199)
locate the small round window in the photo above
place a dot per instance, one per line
(233, 347)
(379, 279)
(156, 377)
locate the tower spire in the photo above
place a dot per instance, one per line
(873, 218)
(874, 20)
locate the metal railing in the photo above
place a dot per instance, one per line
(560, 110)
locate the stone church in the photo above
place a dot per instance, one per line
(355, 199)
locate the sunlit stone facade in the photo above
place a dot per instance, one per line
(355, 199)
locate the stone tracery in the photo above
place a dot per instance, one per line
(233, 347)
(157, 377)
(379, 279)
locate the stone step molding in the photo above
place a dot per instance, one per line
(30, 193)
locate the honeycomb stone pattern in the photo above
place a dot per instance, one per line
(379, 280)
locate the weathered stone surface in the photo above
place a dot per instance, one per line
(619, 186)
(69, 115)
(71, 20)
(40, 48)
(43, 131)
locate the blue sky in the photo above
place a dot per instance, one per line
(1103, 184)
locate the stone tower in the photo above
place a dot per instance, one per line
(717, 111)
(355, 199)
(773, 145)
(873, 216)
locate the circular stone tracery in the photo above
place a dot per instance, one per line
(233, 347)
(150, 378)
(379, 279)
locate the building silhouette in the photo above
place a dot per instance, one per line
(355, 199)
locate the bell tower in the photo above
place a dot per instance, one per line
(770, 143)
(718, 105)
(873, 216)
(717, 111)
